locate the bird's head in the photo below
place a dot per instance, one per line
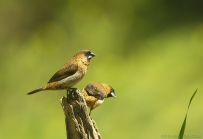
(85, 56)
(109, 90)
(89, 54)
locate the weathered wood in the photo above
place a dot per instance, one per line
(79, 125)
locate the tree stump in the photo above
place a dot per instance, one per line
(79, 125)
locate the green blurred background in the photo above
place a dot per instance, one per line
(151, 52)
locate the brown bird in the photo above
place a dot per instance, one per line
(95, 93)
(70, 74)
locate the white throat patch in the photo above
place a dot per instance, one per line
(89, 57)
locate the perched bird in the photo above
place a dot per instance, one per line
(70, 74)
(95, 93)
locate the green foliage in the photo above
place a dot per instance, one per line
(182, 130)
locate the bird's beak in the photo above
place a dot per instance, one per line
(91, 55)
(113, 94)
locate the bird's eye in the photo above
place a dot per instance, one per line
(88, 53)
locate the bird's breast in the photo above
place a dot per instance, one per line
(82, 66)
(70, 81)
(97, 103)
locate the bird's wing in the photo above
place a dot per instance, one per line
(65, 71)
(95, 91)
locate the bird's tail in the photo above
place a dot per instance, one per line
(35, 91)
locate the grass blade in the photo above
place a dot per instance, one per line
(182, 130)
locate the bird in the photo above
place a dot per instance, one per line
(95, 93)
(70, 74)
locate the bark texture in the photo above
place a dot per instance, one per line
(79, 125)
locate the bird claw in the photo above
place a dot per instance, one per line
(71, 90)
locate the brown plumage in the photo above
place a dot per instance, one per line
(95, 93)
(70, 74)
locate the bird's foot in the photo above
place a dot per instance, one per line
(72, 90)
(90, 112)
